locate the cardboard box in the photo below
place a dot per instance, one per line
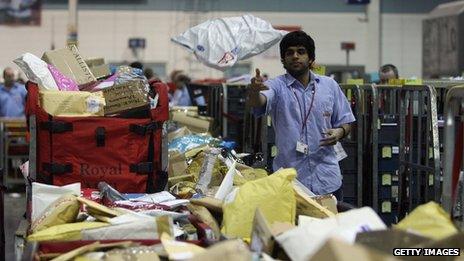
(101, 71)
(69, 62)
(197, 124)
(263, 234)
(95, 61)
(98, 67)
(71, 103)
(124, 97)
(328, 201)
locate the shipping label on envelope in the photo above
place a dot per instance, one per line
(126, 96)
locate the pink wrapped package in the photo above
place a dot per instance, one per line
(98, 86)
(63, 82)
(107, 83)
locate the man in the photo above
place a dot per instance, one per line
(387, 72)
(12, 96)
(181, 96)
(309, 113)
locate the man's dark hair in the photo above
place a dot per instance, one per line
(183, 78)
(298, 38)
(148, 72)
(137, 65)
(389, 67)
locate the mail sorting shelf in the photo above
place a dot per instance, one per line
(380, 147)
(240, 125)
(442, 87)
(388, 143)
(14, 149)
(268, 145)
(214, 107)
(370, 146)
(233, 120)
(255, 138)
(212, 94)
(419, 173)
(234, 110)
(452, 192)
(352, 166)
(404, 181)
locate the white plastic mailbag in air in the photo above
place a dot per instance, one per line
(220, 43)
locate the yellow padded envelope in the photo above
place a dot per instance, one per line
(71, 103)
(429, 220)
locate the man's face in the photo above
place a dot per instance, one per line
(8, 77)
(385, 76)
(296, 60)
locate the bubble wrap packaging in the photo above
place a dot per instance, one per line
(189, 142)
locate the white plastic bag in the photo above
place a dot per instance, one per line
(220, 43)
(37, 71)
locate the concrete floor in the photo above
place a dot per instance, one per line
(14, 209)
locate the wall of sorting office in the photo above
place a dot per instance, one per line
(105, 33)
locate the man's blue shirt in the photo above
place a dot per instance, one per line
(12, 101)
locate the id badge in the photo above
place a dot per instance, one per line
(301, 147)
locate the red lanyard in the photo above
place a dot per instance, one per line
(305, 118)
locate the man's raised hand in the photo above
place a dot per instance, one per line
(254, 96)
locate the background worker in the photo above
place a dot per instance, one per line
(387, 72)
(12, 96)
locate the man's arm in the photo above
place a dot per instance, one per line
(347, 129)
(255, 98)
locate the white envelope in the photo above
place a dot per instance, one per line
(303, 241)
(43, 195)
